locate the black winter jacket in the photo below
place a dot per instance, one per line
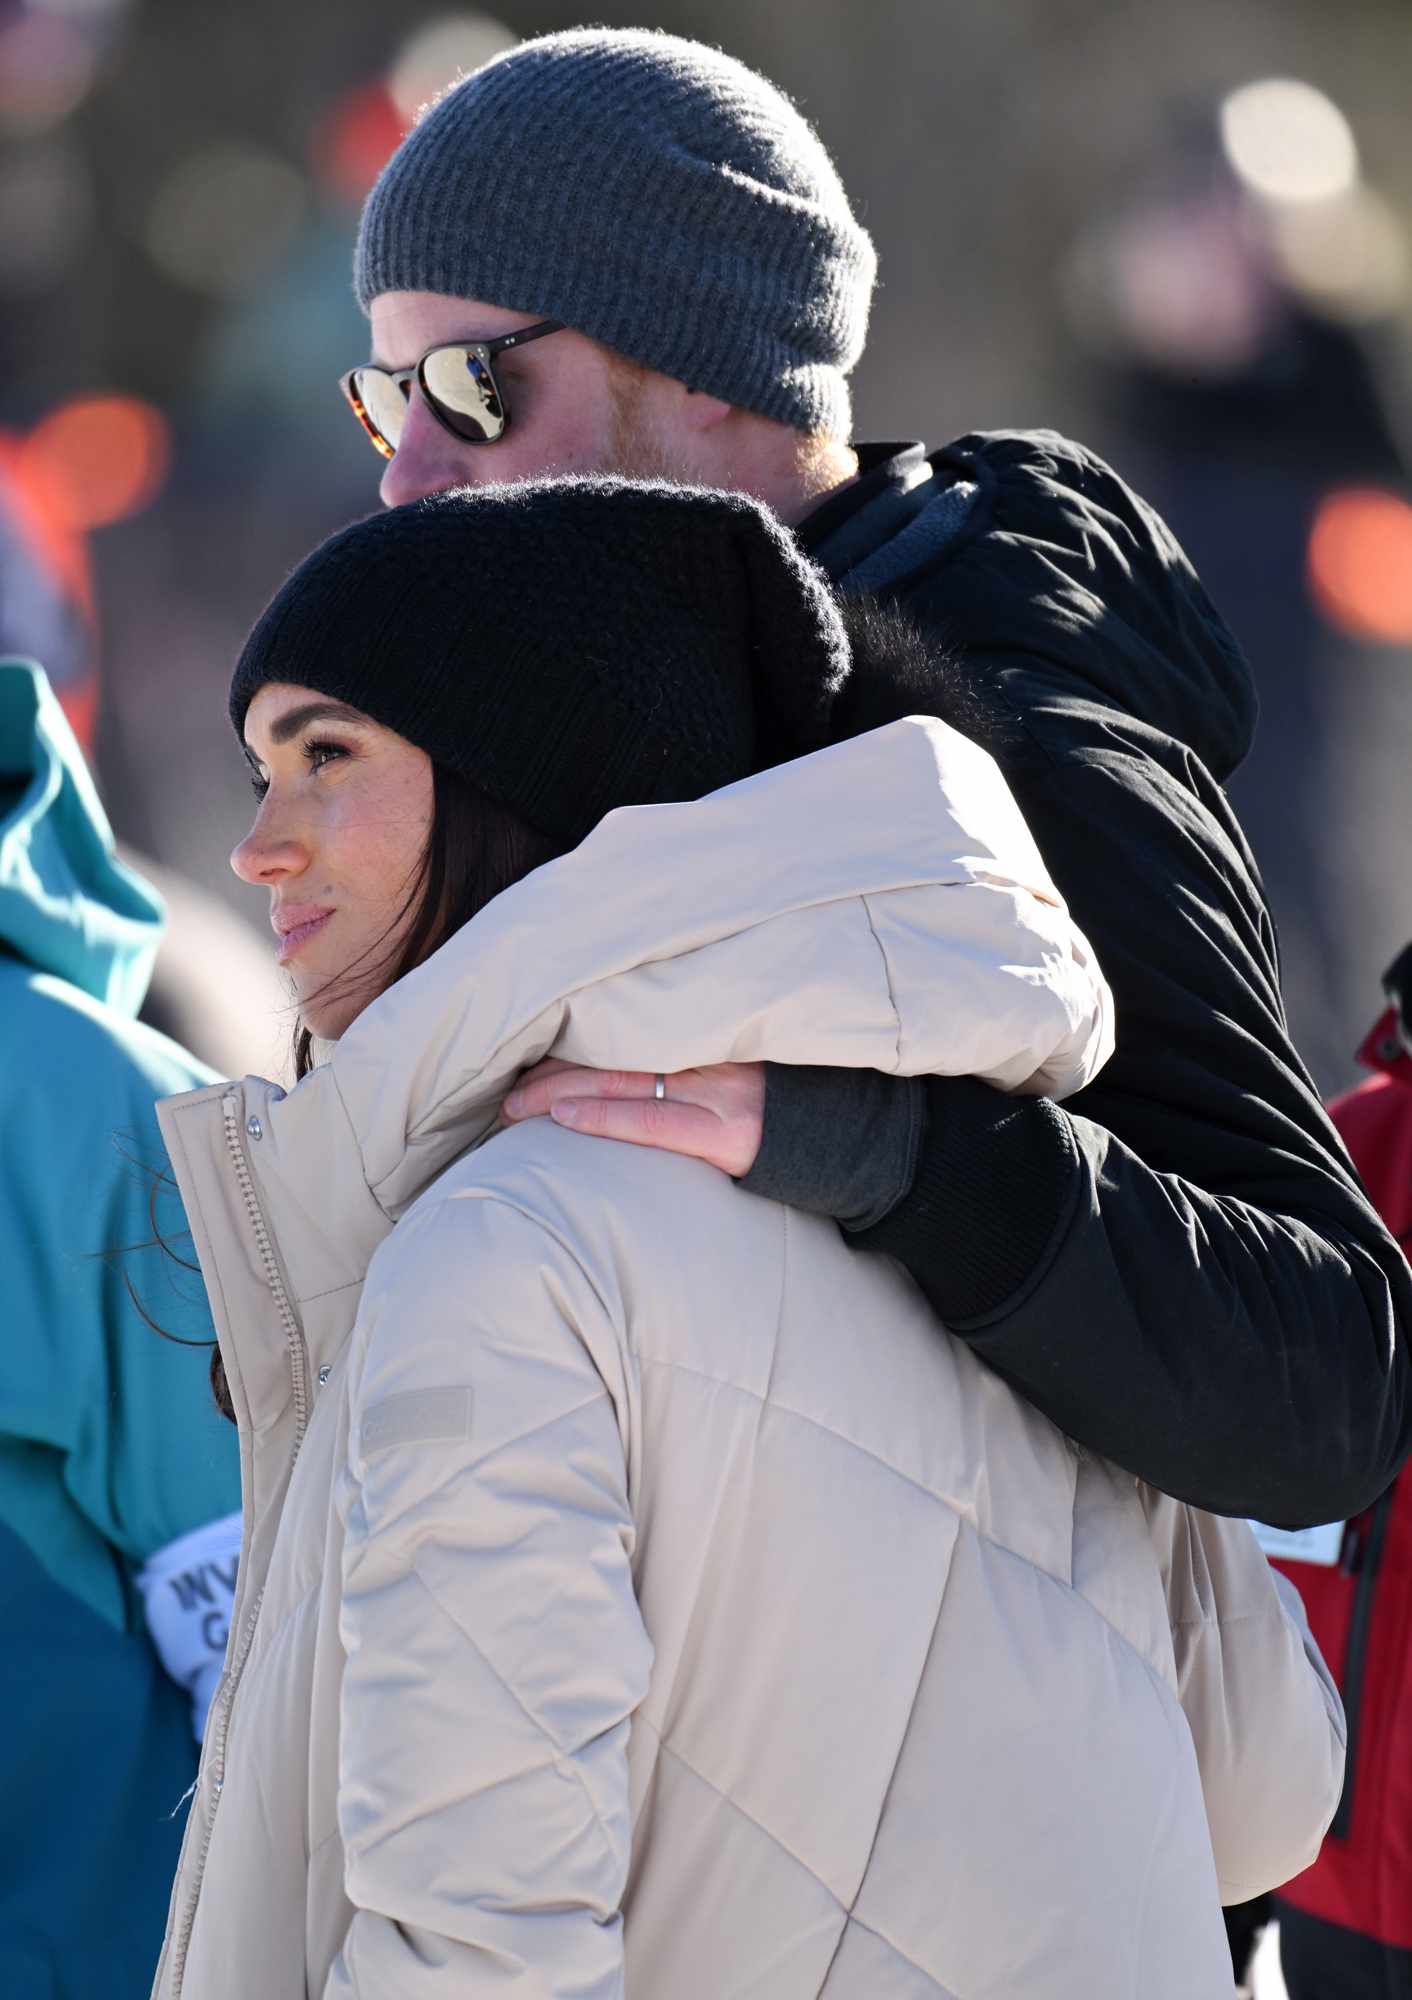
(1179, 1266)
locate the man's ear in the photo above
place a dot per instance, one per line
(701, 413)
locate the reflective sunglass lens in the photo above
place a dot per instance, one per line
(382, 405)
(462, 389)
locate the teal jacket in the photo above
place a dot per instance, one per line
(110, 1447)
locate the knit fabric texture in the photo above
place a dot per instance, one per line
(996, 1179)
(649, 191)
(566, 646)
(839, 1142)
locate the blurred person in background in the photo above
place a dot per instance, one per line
(1242, 347)
(624, 251)
(641, 1595)
(1346, 1923)
(118, 1543)
(210, 987)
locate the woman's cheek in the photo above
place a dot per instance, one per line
(374, 827)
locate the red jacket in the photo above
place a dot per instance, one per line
(1361, 1608)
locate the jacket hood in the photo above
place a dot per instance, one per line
(1039, 550)
(68, 906)
(784, 918)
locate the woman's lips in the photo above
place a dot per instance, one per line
(293, 941)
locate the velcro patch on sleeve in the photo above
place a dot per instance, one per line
(417, 1416)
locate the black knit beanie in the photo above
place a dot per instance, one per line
(566, 646)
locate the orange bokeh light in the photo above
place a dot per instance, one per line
(49, 533)
(1360, 563)
(98, 459)
(354, 141)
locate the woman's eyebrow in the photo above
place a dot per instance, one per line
(294, 719)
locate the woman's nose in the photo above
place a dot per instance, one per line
(267, 854)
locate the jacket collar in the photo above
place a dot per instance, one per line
(882, 469)
(1042, 558)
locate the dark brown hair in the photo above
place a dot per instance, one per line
(476, 848)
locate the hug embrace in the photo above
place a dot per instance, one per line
(641, 1591)
(797, 1549)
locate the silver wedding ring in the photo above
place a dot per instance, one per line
(659, 1088)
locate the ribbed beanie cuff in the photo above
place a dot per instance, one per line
(654, 194)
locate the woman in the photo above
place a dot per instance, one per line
(638, 1594)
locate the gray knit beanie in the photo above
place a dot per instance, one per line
(651, 192)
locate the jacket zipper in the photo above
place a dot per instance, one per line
(299, 1373)
(293, 1332)
(220, 1714)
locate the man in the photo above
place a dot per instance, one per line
(118, 1480)
(619, 250)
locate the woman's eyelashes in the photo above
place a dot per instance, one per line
(316, 752)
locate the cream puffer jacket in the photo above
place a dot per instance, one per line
(641, 1593)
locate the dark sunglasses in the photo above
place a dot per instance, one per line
(458, 382)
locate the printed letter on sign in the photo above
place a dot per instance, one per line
(187, 1589)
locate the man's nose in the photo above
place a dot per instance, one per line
(428, 459)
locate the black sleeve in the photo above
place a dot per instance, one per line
(1179, 1266)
